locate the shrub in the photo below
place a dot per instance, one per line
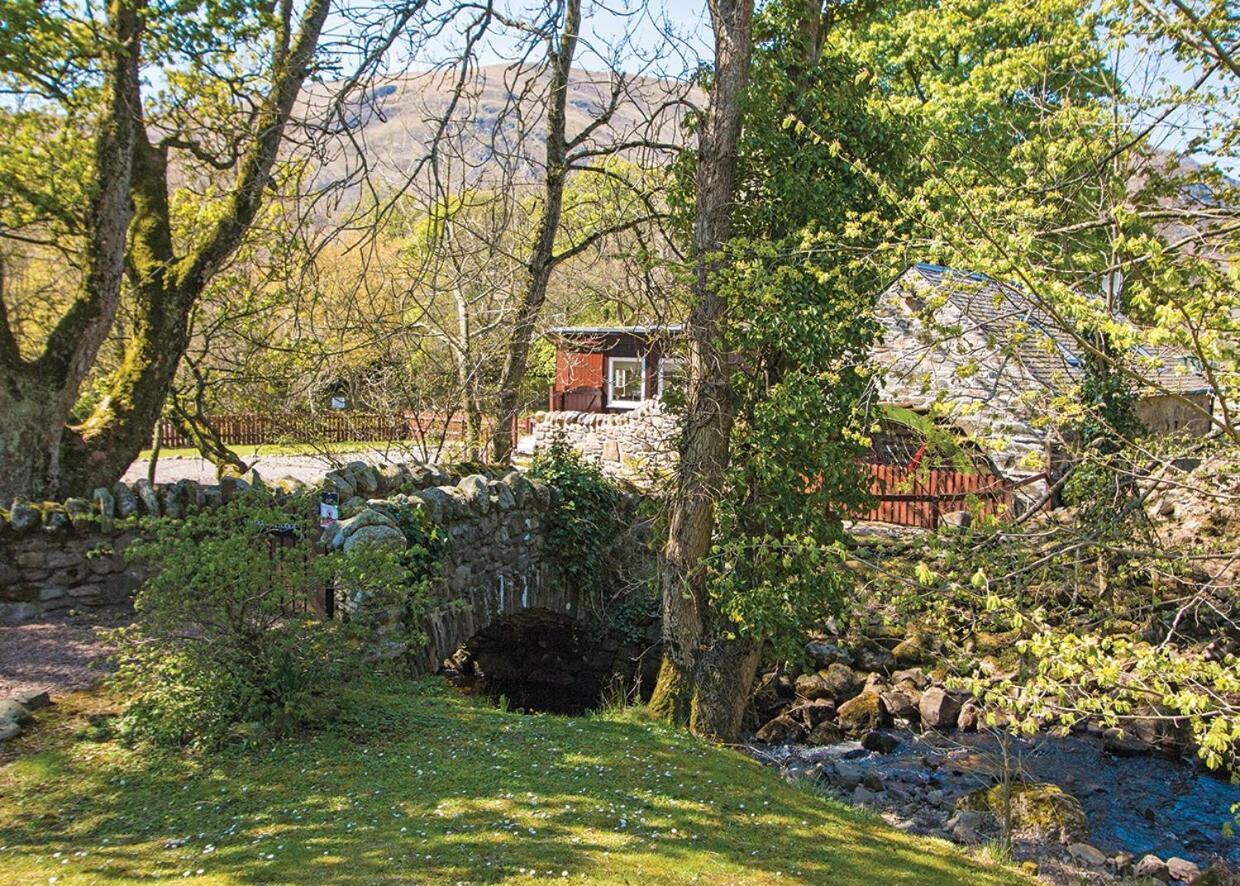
(588, 516)
(223, 642)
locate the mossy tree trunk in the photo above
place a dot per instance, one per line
(706, 674)
(37, 393)
(132, 232)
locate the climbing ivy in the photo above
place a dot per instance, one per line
(587, 518)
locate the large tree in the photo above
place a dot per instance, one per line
(185, 111)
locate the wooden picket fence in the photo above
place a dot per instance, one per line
(263, 429)
(921, 497)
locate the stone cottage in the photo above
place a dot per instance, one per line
(982, 357)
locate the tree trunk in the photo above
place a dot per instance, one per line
(167, 285)
(705, 678)
(542, 257)
(37, 395)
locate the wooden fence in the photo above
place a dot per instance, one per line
(920, 498)
(258, 429)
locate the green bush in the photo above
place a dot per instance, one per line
(587, 517)
(223, 643)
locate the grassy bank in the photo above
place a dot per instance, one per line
(419, 784)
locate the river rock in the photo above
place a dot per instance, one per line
(1152, 867)
(859, 715)
(902, 704)
(781, 730)
(824, 654)
(813, 712)
(1182, 869)
(1043, 812)
(824, 733)
(880, 742)
(938, 710)
(1087, 854)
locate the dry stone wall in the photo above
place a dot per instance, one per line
(638, 445)
(496, 560)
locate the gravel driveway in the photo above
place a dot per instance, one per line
(306, 468)
(60, 653)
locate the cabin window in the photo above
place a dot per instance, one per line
(672, 375)
(625, 377)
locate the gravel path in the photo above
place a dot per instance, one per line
(305, 468)
(60, 653)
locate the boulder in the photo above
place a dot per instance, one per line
(874, 658)
(1124, 743)
(23, 516)
(913, 650)
(824, 654)
(148, 497)
(863, 796)
(1182, 869)
(9, 729)
(966, 826)
(1087, 854)
(375, 536)
(938, 709)
(104, 503)
(916, 677)
(970, 716)
(14, 712)
(781, 730)
(33, 699)
(859, 715)
(813, 712)
(126, 501)
(824, 733)
(842, 682)
(1151, 867)
(1040, 811)
(901, 704)
(812, 686)
(880, 742)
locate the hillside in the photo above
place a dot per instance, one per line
(489, 128)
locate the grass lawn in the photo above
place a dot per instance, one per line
(421, 784)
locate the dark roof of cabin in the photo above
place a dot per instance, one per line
(1014, 318)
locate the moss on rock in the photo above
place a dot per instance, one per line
(1040, 811)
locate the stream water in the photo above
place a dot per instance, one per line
(1137, 804)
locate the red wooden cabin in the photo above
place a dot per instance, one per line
(612, 368)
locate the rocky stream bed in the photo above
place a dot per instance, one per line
(1143, 815)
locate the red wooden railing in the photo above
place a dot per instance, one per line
(260, 429)
(920, 498)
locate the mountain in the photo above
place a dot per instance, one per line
(489, 129)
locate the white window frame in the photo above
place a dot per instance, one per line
(611, 378)
(674, 361)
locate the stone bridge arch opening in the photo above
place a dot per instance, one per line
(542, 660)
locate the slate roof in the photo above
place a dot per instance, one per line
(1016, 322)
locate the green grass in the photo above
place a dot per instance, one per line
(420, 784)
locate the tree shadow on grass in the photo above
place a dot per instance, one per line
(425, 786)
